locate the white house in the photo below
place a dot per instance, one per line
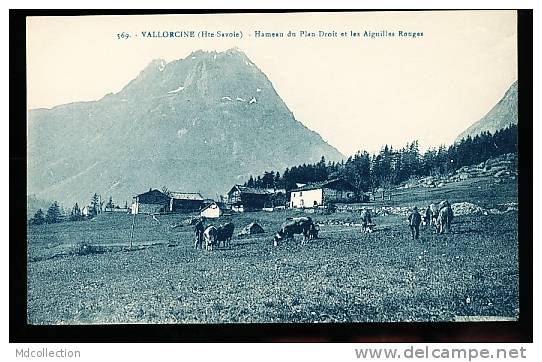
(211, 211)
(321, 193)
(307, 198)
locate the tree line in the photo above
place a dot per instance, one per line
(391, 167)
(367, 172)
(55, 214)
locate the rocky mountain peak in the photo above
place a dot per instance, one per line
(504, 113)
(198, 124)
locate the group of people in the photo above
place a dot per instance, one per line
(440, 216)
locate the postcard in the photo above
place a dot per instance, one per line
(290, 167)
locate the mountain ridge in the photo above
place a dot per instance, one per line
(502, 114)
(180, 124)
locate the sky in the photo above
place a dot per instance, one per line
(357, 92)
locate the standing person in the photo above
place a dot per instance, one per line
(428, 216)
(414, 221)
(366, 222)
(199, 228)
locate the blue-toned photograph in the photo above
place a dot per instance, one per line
(339, 167)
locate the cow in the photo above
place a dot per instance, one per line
(444, 219)
(297, 225)
(209, 236)
(224, 233)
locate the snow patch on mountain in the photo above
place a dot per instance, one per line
(115, 184)
(181, 132)
(176, 90)
(162, 65)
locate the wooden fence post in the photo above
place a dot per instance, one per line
(132, 232)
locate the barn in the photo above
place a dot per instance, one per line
(323, 193)
(155, 201)
(212, 211)
(151, 202)
(185, 201)
(243, 198)
(279, 198)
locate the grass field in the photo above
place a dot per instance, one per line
(345, 276)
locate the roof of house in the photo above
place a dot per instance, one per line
(323, 184)
(208, 206)
(251, 190)
(152, 191)
(186, 196)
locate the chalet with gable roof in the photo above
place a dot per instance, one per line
(157, 202)
(323, 193)
(243, 198)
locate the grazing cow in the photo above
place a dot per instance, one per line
(209, 236)
(297, 225)
(444, 220)
(224, 233)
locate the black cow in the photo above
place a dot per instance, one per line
(224, 233)
(297, 225)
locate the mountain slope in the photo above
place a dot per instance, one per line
(197, 124)
(500, 116)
